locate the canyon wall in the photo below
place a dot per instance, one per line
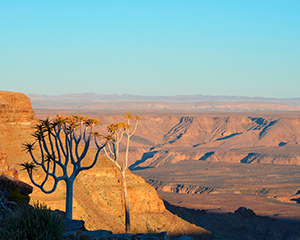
(238, 138)
(164, 137)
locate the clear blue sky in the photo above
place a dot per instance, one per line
(165, 47)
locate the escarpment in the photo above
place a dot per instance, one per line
(169, 137)
(240, 138)
(15, 107)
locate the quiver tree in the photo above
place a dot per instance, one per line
(63, 143)
(117, 131)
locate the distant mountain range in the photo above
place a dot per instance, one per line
(93, 101)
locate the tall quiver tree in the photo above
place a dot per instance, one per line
(63, 143)
(112, 150)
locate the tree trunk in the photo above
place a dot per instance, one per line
(126, 202)
(69, 199)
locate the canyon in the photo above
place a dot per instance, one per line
(97, 192)
(212, 161)
(197, 159)
(165, 137)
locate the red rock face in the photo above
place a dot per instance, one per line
(15, 107)
(5, 168)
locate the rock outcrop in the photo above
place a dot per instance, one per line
(13, 194)
(179, 188)
(15, 107)
(7, 182)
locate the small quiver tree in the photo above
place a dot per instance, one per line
(112, 150)
(63, 143)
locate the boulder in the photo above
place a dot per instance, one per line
(8, 182)
(74, 225)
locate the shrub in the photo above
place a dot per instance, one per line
(16, 196)
(33, 223)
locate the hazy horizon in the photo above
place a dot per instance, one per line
(158, 96)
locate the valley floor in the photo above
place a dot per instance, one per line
(225, 203)
(268, 189)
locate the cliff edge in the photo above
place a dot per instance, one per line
(15, 107)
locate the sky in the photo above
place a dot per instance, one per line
(154, 47)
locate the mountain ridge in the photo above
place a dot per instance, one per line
(93, 101)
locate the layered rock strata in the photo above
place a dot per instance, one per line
(15, 107)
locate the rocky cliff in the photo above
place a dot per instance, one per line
(15, 107)
(16, 123)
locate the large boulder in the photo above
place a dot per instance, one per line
(7, 182)
(13, 196)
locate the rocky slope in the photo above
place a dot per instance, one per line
(14, 198)
(98, 201)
